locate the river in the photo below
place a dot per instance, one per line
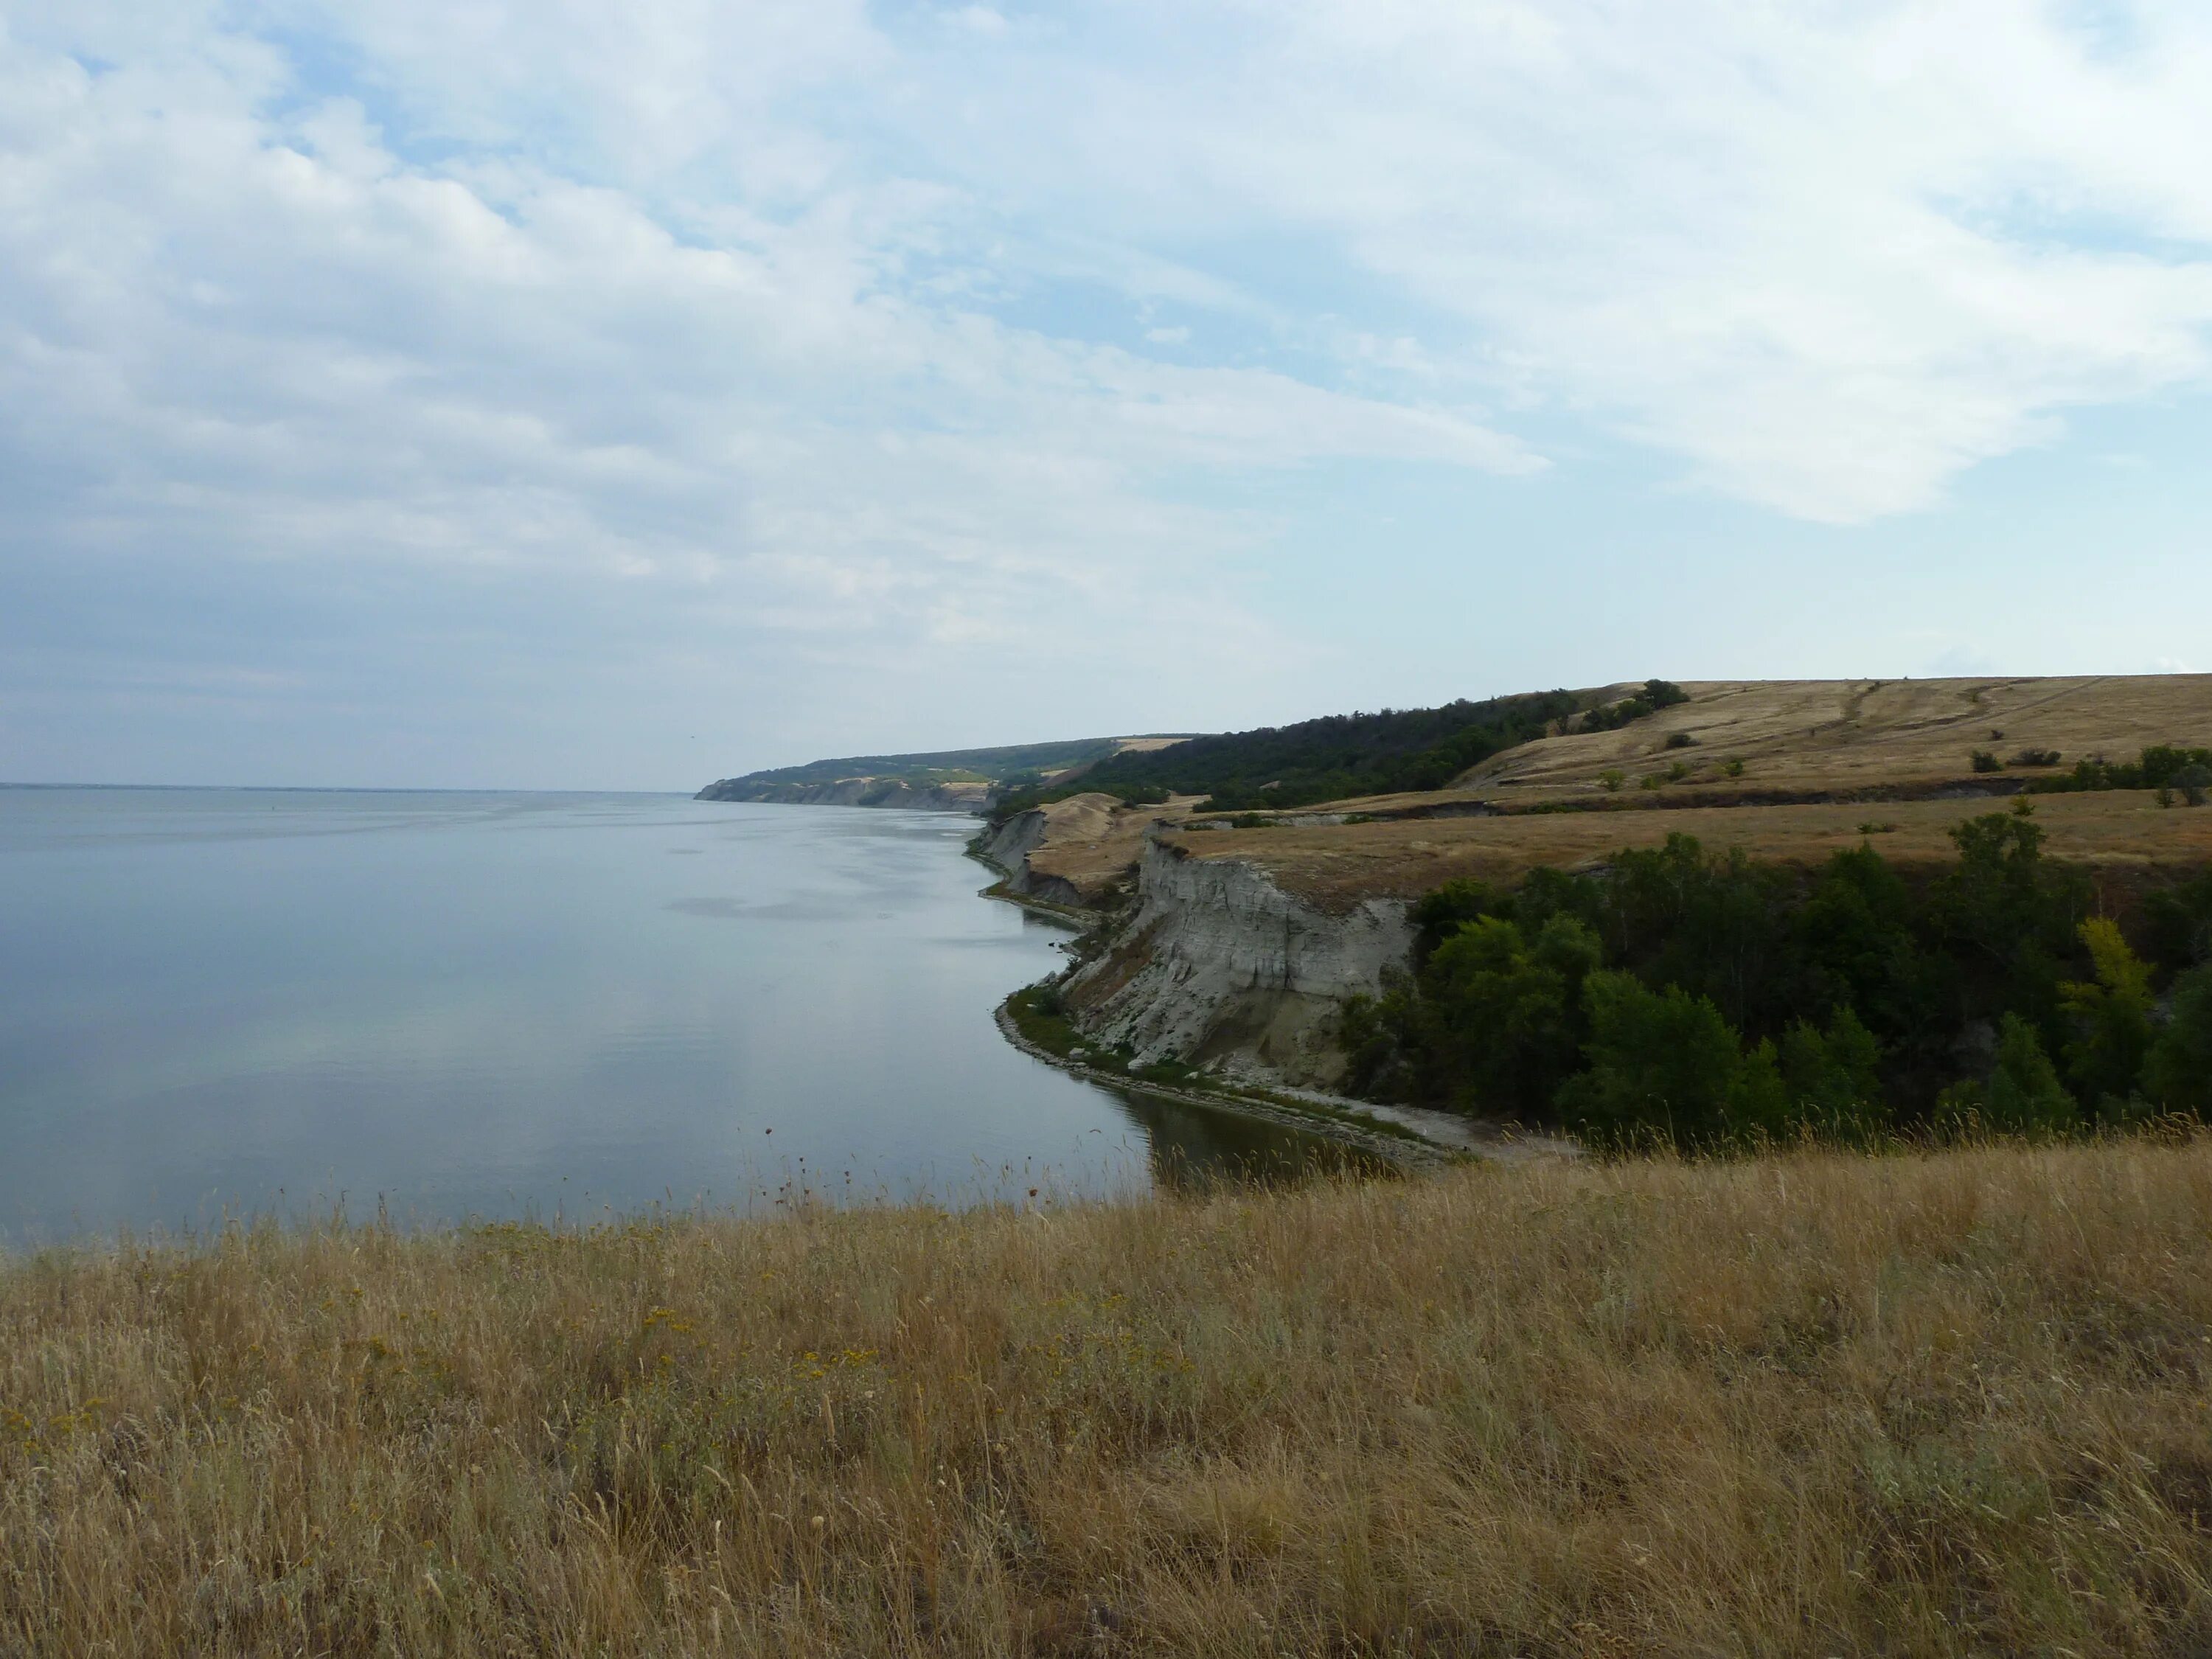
(454, 1006)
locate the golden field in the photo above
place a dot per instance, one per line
(1940, 1403)
(2123, 838)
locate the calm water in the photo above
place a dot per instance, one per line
(502, 1004)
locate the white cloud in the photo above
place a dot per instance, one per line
(790, 319)
(255, 326)
(1830, 256)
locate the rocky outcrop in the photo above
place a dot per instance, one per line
(855, 791)
(1216, 965)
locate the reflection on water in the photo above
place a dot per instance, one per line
(1194, 1150)
(502, 1005)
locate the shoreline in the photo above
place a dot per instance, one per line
(1411, 1151)
(1406, 1137)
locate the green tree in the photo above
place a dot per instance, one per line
(2110, 1016)
(1666, 1062)
(2010, 914)
(2178, 1071)
(1856, 936)
(1834, 1077)
(1505, 1010)
(2025, 1092)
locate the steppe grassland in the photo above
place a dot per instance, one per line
(2122, 837)
(1810, 1404)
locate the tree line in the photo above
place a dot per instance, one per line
(1710, 1001)
(1341, 756)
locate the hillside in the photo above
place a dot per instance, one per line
(1802, 738)
(1763, 866)
(952, 779)
(1322, 759)
(1799, 1406)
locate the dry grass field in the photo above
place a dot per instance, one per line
(1857, 734)
(1811, 1404)
(1092, 839)
(2123, 836)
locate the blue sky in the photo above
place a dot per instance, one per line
(557, 394)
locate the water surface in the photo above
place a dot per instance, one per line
(488, 1005)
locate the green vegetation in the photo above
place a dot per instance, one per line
(2161, 766)
(1713, 1000)
(1655, 695)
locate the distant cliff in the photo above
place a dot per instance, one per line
(948, 780)
(894, 792)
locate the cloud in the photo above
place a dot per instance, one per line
(1829, 256)
(253, 320)
(755, 346)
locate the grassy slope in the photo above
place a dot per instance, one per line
(1807, 1405)
(1858, 734)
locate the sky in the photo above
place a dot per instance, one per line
(548, 394)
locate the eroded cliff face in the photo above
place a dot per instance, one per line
(1219, 966)
(855, 791)
(1010, 846)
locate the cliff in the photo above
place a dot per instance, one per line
(855, 791)
(1218, 965)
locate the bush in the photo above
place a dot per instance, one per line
(1680, 740)
(2193, 781)
(1655, 695)
(2036, 758)
(1610, 780)
(1733, 766)
(1986, 761)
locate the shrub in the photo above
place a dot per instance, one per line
(1611, 780)
(1654, 696)
(1678, 771)
(1733, 766)
(1680, 740)
(2193, 781)
(2036, 758)
(1986, 761)
(1648, 781)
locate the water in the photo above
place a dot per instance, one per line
(488, 1005)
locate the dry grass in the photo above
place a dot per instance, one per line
(1091, 840)
(2121, 837)
(1812, 1405)
(1852, 734)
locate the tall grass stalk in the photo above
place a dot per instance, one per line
(1812, 1403)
